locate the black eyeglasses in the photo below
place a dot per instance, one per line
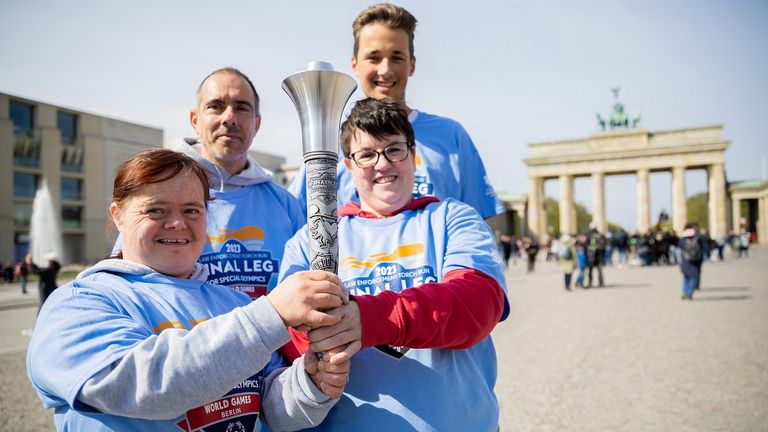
(395, 152)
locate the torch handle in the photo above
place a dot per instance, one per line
(322, 216)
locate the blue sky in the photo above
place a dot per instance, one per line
(511, 72)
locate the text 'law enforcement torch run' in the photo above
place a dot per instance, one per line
(319, 95)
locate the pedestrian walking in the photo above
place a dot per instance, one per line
(692, 247)
(566, 256)
(581, 258)
(734, 241)
(506, 248)
(8, 272)
(515, 243)
(531, 248)
(595, 253)
(47, 275)
(744, 240)
(22, 271)
(720, 245)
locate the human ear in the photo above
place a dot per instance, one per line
(193, 119)
(114, 212)
(257, 124)
(354, 66)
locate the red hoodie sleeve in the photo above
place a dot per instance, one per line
(297, 346)
(455, 313)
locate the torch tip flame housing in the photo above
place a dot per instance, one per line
(319, 65)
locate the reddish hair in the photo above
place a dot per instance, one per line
(154, 165)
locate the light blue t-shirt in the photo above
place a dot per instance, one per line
(247, 230)
(447, 166)
(425, 389)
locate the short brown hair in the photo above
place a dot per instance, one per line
(377, 118)
(390, 16)
(154, 165)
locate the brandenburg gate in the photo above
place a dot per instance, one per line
(628, 151)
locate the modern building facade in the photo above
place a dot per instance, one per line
(77, 154)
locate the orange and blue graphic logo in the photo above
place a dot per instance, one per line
(250, 236)
(387, 272)
(239, 262)
(401, 252)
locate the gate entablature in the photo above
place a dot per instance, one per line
(628, 151)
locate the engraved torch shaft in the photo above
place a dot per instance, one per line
(319, 95)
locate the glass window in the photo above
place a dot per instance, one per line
(70, 217)
(71, 189)
(22, 214)
(67, 124)
(72, 156)
(23, 118)
(20, 245)
(24, 185)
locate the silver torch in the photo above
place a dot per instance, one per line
(319, 95)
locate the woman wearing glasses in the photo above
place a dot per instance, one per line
(428, 286)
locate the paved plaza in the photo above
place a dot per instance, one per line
(628, 357)
(633, 356)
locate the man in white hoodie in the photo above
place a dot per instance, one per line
(250, 218)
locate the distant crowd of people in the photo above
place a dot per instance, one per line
(656, 247)
(589, 252)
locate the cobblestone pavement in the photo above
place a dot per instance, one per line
(633, 356)
(628, 357)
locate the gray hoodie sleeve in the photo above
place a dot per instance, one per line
(177, 370)
(291, 400)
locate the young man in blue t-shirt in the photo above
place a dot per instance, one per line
(447, 162)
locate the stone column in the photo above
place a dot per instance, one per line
(598, 201)
(567, 207)
(522, 215)
(679, 209)
(642, 201)
(736, 209)
(537, 215)
(717, 201)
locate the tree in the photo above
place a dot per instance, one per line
(583, 217)
(553, 216)
(697, 206)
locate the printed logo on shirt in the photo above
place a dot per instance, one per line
(422, 187)
(234, 265)
(250, 236)
(236, 411)
(177, 324)
(390, 271)
(390, 277)
(403, 252)
(421, 184)
(489, 191)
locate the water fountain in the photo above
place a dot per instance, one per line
(45, 234)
